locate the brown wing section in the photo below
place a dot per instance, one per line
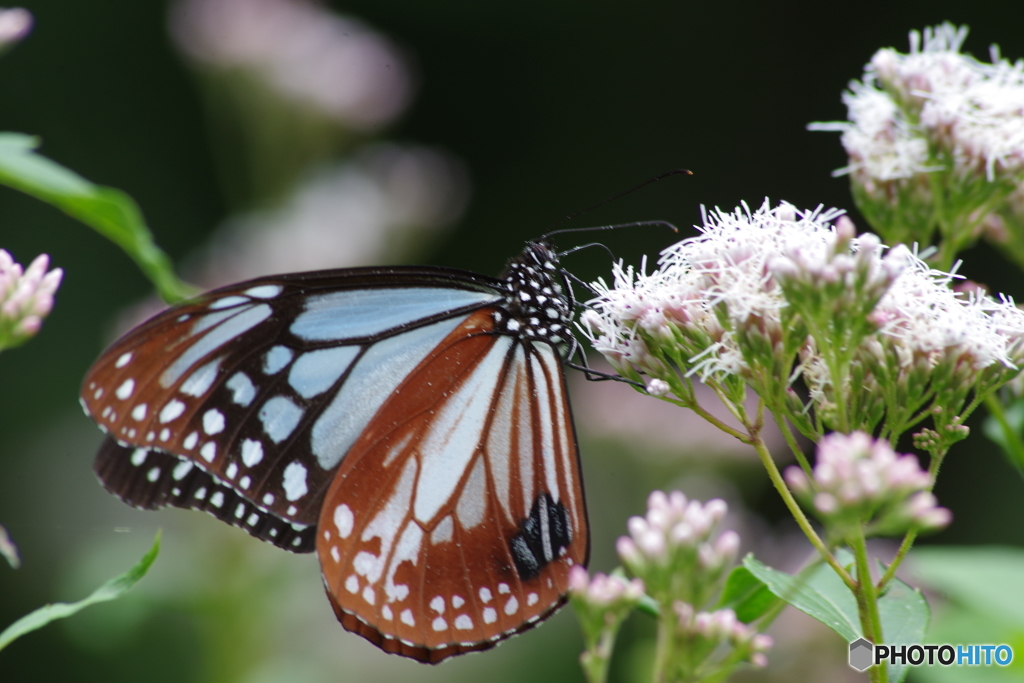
(454, 520)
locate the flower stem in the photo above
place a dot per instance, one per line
(798, 514)
(867, 601)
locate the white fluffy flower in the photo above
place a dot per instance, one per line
(970, 112)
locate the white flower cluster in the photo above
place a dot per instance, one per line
(722, 626)
(301, 50)
(15, 24)
(860, 480)
(26, 297)
(971, 111)
(672, 550)
(754, 283)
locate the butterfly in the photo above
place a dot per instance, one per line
(409, 424)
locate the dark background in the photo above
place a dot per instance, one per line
(553, 106)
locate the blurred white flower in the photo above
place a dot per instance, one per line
(302, 50)
(971, 110)
(15, 24)
(357, 212)
(26, 297)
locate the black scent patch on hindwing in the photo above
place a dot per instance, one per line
(542, 536)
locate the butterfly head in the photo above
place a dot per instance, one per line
(537, 306)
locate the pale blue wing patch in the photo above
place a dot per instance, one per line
(378, 373)
(360, 313)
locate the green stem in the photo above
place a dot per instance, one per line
(798, 514)
(867, 601)
(1013, 444)
(598, 656)
(663, 651)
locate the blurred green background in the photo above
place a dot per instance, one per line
(504, 117)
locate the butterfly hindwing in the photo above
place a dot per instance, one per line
(447, 537)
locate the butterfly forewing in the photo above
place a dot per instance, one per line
(437, 537)
(411, 424)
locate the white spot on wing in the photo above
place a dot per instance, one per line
(352, 583)
(242, 388)
(208, 451)
(407, 617)
(139, 412)
(172, 411)
(252, 452)
(294, 482)
(279, 416)
(369, 595)
(126, 389)
(139, 456)
(457, 601)
(277, 357)
(344, 520)
(190, 441)
(437, 604)
(153, 474)
(123, 360)
(490, 615)
(485, 594)
(181, 470)
(532, 599)
(439, 624)
(231, 471)
(217, 499)
(512, 606)
(213, 421)
(463, 622)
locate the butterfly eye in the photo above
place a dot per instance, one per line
(411, 425)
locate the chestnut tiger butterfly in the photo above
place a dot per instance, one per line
(409, 424)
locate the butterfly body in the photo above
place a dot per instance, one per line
(411, 425)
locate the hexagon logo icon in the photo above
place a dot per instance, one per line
(861, 654)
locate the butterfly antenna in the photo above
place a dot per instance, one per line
(678, 171)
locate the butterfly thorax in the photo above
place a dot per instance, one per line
(536, 304)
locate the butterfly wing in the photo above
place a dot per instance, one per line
(243, 402)
(455, 518)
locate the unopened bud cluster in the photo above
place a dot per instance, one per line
(602, 601)
(674, 550)
(859, 480)
(26, 297)
(704, 632)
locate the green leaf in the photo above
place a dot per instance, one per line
(111, 590)
(823, 595)
(985, 579)
(746, 595)
(110, 212)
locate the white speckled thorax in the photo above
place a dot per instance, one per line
(537, 305)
